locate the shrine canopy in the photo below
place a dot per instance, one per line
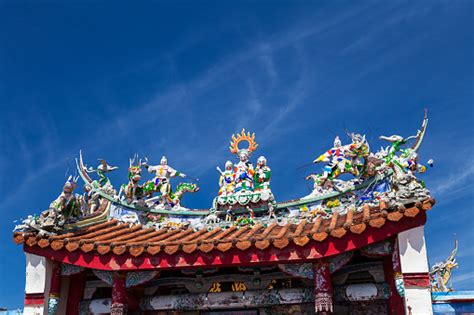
(144, 224)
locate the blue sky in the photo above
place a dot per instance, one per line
(179, 79)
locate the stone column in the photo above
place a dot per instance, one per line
(323, 299)
(414, 271)
(54, 289)
(119, 295)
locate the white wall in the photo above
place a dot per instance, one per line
(412, 249)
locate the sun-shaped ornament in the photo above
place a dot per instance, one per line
(237, 139)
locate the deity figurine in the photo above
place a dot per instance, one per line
(261, 177)
(244, 172)
(163, 172)
(227, 179)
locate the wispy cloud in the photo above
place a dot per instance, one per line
(467, 276)
(29, 181)
(456, 182)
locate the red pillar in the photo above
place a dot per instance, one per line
(54, 289)
(119, 295)
(322, 287)
(395, 302)
(77, 284)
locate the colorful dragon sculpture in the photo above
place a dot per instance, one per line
(440, 273)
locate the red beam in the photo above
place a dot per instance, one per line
(233, 257)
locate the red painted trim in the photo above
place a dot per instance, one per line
(419, 279)
(234, 257)
(34, 299)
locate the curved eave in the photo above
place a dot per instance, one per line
(113, 246)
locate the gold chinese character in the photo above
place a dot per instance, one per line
(238, 287)
(215, 288)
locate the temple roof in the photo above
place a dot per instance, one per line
(112, 239)
(361, 197)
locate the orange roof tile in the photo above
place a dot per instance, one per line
(118, 238)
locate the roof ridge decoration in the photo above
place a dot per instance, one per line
(387, 175)
(244, 188)
(384, 179)
(440, 273)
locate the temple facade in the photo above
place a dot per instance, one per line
(353, 246)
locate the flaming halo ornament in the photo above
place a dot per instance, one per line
(242, 136)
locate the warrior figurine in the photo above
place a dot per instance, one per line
(163, 173)
(344, 159)
(133, 191)
(227, 179)
(68, 203)
(90, 200)
(261, 177)
(66, 206)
